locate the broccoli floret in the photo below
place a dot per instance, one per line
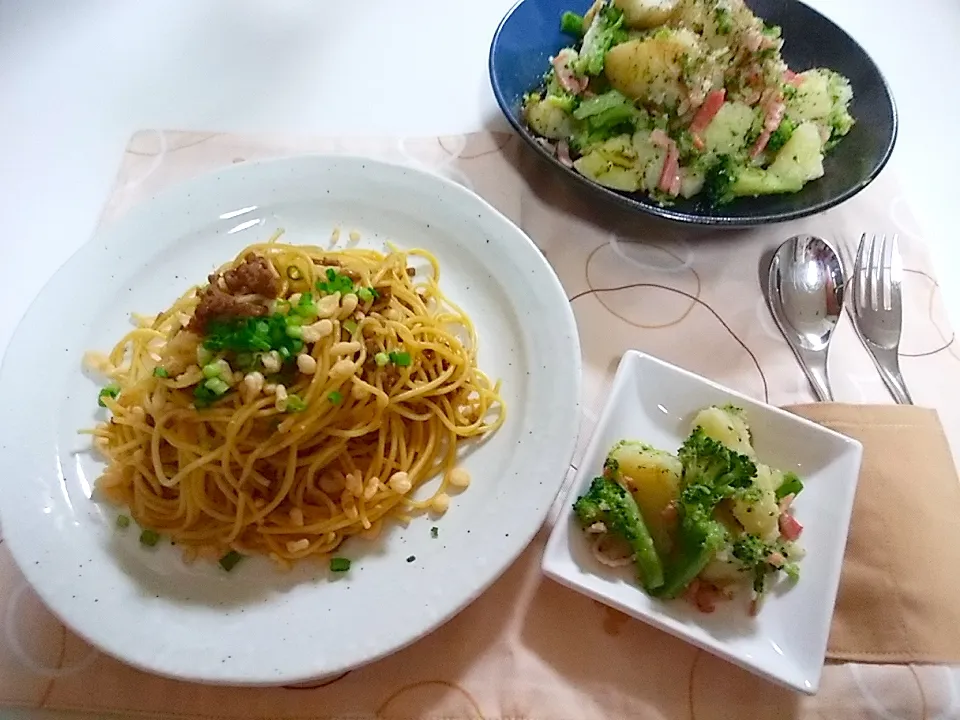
(723, 19)
(780, 136)
(571, 24)
(720, 179)
(791, 485)
(712, 471)
(604, 32)
(609, 503)
(750, 550)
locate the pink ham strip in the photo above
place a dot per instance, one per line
(790, 527)
(563, 153)
(670, 174)
(791, 78)
(705, 115)
(568, 81)
(775, 110)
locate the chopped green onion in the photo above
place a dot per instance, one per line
(350, 326)
(285, 352)
(123, 521)
(293, 272)
(149, 538)
(434, 532)
(335, 397)
(571, 24)
(229, 561)
(791, 485)
(335, 283)
(400, 358)
(339, 564)
(365, 294)
(295, 331)
(295, 404)
(381, 358)
(293, 320)
(110, 391)
(204, 355)
(306, 308)
(211, 370)
(160, 372)
(217, 386)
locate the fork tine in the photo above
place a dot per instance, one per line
(859, 276)
(874, 284)
(888, 250)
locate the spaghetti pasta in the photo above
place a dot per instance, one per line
(298, 399)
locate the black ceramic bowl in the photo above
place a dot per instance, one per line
(530, 34)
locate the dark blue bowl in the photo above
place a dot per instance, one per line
(530, 34)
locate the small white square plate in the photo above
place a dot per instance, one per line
(653, 401)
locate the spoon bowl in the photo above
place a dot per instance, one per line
(805, 286)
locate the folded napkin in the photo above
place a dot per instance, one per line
(899, 598)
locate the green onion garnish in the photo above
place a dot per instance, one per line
(335, 283)
(216, 386)
(350, 326)
(295, 331)
(123, 521)
(211, 370)
(339, 564)
(229, 561)
(295, 403)
(365, 294)
(381, 358)
(149, 538)
(400, 358)
(160, 372)
(110, 391)
(335, 397)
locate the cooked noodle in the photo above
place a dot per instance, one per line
(289, 462)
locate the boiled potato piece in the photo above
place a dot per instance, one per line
(645, 14)
(756, 507)
(653, 477)
(652, 70)
(613, 164)
(727, 133)
(549, 119)
(726, 425)
(801, 158)
(650, 159)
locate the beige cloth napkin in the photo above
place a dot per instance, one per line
(898, 598)
(528, 648)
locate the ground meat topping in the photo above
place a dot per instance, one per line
(238, 293)
(253, 276)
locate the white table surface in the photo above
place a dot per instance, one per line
(78, 77)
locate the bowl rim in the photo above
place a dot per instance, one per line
(637, 202)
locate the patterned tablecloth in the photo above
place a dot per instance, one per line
(529, 648)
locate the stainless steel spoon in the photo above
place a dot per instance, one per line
(805, 293)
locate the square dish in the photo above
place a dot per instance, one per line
(653, 401)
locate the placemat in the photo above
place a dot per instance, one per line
(528, 648)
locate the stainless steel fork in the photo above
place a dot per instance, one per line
(877, 308)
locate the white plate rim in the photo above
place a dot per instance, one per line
(562, 427)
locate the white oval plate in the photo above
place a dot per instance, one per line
(257, 625)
